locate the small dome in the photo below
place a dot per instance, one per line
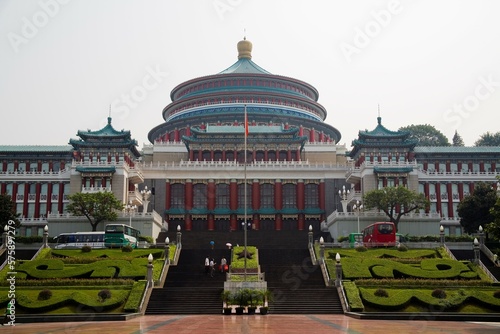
(244, 49)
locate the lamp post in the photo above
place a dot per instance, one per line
(130, 209)
(4, 236)
(167, 250)
(476, 251)
(481, 235)
(45, 236)
(322, 249)
(146, 194)
(357, 208)
(441, 234)
(150, 270)
(310, 234)
(338, 270)
(343, 198)
(179, 234)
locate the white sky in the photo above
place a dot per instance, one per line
(62, 63)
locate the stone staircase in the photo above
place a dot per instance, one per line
(466, 254)
(297, 285)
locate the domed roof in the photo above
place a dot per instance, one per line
(244, 63)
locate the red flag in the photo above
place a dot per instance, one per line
(246, 124)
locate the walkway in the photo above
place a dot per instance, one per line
(268, 324)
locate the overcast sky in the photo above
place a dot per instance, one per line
(63, 63)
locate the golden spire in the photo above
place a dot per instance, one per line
(244, 49)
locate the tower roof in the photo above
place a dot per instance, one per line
(244, 63)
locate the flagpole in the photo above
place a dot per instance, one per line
(245, 130)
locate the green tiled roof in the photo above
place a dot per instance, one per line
(457, 149)
(88, 169)
(35, 148)
(382, 131)
(381, 169)
(244, 65)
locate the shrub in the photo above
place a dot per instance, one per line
(381, 293)
(45, 294)
(438, 293)
(104, 294)
(86, 249)
(496, 294)
(127, 249)
(361, 249)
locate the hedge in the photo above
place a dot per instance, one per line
(135, 297)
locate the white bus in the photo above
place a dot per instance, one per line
(77, 240)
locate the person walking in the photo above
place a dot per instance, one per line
(223, 263)
(212, 267)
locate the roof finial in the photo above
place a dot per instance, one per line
(109, 115)
(244, 34)
(379, 119)
(244, 48)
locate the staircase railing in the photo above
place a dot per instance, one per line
(343, 298)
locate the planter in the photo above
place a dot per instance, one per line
(251, 309)
(228, 310)
(239, 310)
(264, 310)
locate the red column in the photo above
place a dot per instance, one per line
(191, 155)
(301, 221)
(471, 188)
(493, 166)
(211, 195)
(450, 199)
(278, 195)
(300, 195)
(448, 167)
(188, 194)
(481, 166)
(256, 222)
(266, 158)
(200, 155)
(211, 222)
(234, 222)
(471, 166)
(38, 189)
(255, 195)
(212, 155)
(176, 135)
(61, 196)
(426, 167)
(278, 222)
(49, 197)
(312, 135)
(322, 194)
(25, 204)
(297, 155)
(301, 131)
(14, 192)
(384, 182)
(3, 188)
(460, 191)
(233, 197)
(459, 166)
(168, 194)
(188, 222)
(288, 155)
(438, 197)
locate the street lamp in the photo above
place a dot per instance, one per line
(476, 248)
(441, 234)
(343, 198)
(146, 194)
(150, 270)
(322, 249)
(167, 250)
(45, 236)
(130, 209)
(357, 208)
(338, 270)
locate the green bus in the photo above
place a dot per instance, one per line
(120, 235)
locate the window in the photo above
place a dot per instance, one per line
(222, 193)
(289, 195)
(311, 195)
(267, 195)
(200, 195)
(241, 195)
(177, 196)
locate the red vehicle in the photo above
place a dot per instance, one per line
(380, 234)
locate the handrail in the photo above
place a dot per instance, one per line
(345, 304)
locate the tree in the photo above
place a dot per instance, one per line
(457, 140)
(395, 202)
(97, 207)
(493, 228)
(474, 209)
(488, 139)
(8, 211)
(427, 135)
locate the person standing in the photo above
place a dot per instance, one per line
(207, 265)
(223, 264)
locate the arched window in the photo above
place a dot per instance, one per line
(311, 195)
(267, 195)
(200, 195)
(289, 196)
(222, 195)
